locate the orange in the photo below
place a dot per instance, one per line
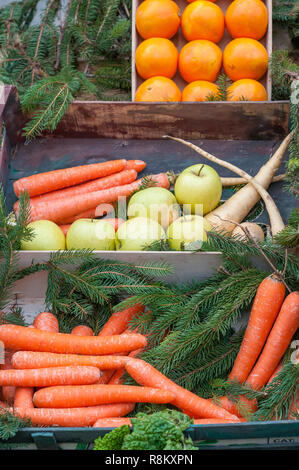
(245, 58)
(158, 89)
(191, 1)
(199, 90)
(156, 56)
(247, 19)
(246, 89)
(203, 20)
(200, 60)
(158, 19)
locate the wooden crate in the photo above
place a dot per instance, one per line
(179, 41)
(246, 133)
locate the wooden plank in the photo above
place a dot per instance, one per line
(205, 120)
(179, 41)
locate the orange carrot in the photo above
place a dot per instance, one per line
(279, 339)
(116, 179)
(116, 378)
(64, 228)
(147, 375)
(21, 338)
(73, 396)
(112, 422)
(42, 183)
(46, 377)
(8, 392)
(268, 300)
(137, 165)
(89, 214)
(240, 408)
(40, 360)
(74, 417)
(82, 330)
(62, 209)
(24, 397)
(46, 321)
(115, 222)
(118, 321)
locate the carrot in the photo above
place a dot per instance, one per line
(42, 183)
(137, 165)
(64, 228)
(46, 377)
(279, 339)
(73, 396)
(40, 360)
(8, 392)
(235, 209)
(82, 330)
(116, 179)
(116, 378)
(241, 408)
(115, 222)
(267, 302)
(147, 375)
(21, 338)
(89, 214)
(118, 321)
(24, 397)
(112, 422)
(62, 209)
(46, 321)
(74, 417)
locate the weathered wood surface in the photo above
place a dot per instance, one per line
(179, 41)
(160, 155)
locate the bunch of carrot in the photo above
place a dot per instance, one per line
(66, 195)
(273, 321)
(58, 380)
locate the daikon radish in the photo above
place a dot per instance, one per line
(237, 207)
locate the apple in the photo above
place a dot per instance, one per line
(155, 203)
(189, 230)
(46, 236)
(90, 233)
(136, 233)
(200, 186)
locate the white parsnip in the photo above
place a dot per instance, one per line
(234, 181)
(238, 206)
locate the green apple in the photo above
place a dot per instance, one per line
(155, 203)
(90, 233)
(46, 236)
(189, 230)
(136, 233)
(201, 187)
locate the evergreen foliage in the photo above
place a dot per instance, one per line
(78, 48)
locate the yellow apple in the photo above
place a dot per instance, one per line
(136, 233)
(200, 187)
(46, 236)
(90, 233)
(187, 230)
(156, 203)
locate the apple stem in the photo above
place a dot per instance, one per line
(199, 171)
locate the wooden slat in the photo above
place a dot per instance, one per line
(205, 120)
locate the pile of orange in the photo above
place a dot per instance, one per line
(199, 62)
